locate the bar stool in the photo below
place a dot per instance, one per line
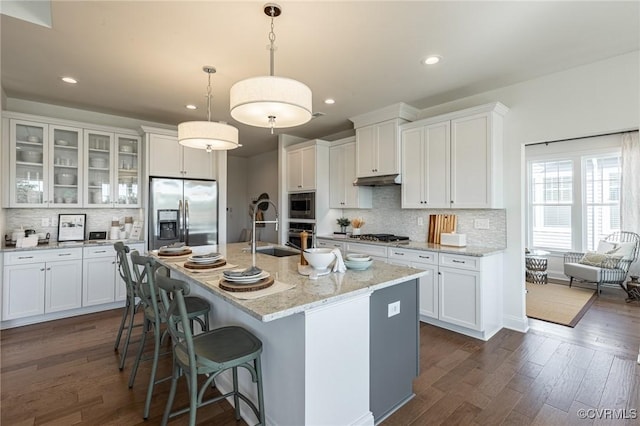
(208, 353)
(131, 306)
(145, 269)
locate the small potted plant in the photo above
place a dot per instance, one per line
(343, 222)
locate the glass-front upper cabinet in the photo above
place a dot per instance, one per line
(98, 160)
(28, 163)
(65, 181)
(128, 171)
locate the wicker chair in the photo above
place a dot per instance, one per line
(598, 275)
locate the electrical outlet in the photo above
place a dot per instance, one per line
(54, 221)
(420, 221)
(45, 222)
(393, 309)
(481, 223)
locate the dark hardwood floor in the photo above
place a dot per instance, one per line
(65, 372)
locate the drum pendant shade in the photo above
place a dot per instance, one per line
(209, 135)
(254, 100)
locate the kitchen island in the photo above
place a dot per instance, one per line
(339, 350)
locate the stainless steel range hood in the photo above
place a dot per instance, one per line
(385, 180)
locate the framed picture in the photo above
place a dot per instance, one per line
(71, 227)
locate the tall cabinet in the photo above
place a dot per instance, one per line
(167, 158)
(454, 160)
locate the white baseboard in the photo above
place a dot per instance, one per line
(516, 323)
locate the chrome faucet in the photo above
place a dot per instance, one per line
(254, 221)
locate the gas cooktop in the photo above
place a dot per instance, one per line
(384, 238)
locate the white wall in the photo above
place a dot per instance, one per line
(237, 197)
(596, 98)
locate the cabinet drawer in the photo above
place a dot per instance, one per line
(461, 262)
(330, 244)
(413, 255)
(370, 249)
(99, 251)
(35, 256)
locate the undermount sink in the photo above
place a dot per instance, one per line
(276, 251)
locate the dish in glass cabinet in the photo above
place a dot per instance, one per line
(62, 142)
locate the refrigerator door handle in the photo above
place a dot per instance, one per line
(180, 222)
(186, 222)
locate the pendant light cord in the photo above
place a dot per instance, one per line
(272, 39)
(209, 97)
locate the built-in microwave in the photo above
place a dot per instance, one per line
(302, 205)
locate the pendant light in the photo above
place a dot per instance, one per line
(208, 135)
(270, 101)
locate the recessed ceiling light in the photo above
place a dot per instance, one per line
(69, 80)
(190, 106)
(432, 60)
(329, 101)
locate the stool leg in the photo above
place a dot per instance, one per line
(258, 366)
(570, 281)
(143, 339)
(193, 395)
(172, 393)
(127, 340)
(154, 369)
(125, 313)
(236, 399)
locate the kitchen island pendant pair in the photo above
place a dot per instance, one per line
(266, 101)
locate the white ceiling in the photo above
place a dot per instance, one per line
(143, 59)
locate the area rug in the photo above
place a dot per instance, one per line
(558, 303)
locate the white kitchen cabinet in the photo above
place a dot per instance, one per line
(98, 275)
(113, 169)
(426, 166)
(342, 163)
(167, 158)
(378, 149)
(454, 160)
(470, 294)
(37, 282)
(427, 261)
(301, 169)
(45, 164)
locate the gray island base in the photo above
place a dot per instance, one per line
(340, 350)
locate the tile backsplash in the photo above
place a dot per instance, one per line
(386, 216)
(97, 219)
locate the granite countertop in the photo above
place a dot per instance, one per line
(71, 244)
(306, 293)
(477, 251)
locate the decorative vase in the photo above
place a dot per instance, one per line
(343, 229)
(356, 231)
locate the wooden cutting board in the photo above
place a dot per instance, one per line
(439, 223)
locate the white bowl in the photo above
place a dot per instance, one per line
(32, 156)
(125, 148)
(357, 265)
(69, 200)
(62, 142)
(33, 139)
(66, 178)
(319, 258)
(357, 257)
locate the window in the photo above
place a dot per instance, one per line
(573, 194)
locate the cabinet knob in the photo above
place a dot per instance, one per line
(48, 269)
(42, 269)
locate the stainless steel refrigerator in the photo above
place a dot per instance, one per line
(182, 210)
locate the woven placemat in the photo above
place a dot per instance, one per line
(235, 287)
(193, 265)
